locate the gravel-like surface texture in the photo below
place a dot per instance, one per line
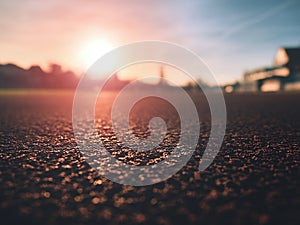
(253, 180)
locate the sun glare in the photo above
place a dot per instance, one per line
(93, 50)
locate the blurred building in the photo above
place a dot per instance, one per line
(283, 75)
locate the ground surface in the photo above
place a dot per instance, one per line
(253, 180)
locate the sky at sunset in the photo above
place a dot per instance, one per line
(231, 36)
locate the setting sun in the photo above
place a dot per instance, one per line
(93, 50)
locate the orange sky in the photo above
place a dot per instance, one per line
(75, 35)
(230, 36)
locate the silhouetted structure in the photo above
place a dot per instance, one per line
(114, 83)
(13, 76)
(283, 75)
(162, 81)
